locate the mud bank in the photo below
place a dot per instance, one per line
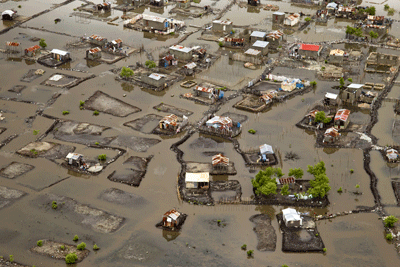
(208, 167)
(52, 249)
(265, 232)
(173, 110)
(120, 197)
(8, 196)
(15, 169)
(46, 150)
(134, 173)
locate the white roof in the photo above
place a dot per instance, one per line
(252, 52)
(156, 76)
(8, 12)
(291, 215)
(190, 66)
(331, 5)
(59, 52)
(279, 13)
(224, 22)
(200, 177)
(258, 34)
(261, 44)
(181, 48)
(266, 149)
(153, 18)
(74, 156)
(355, 86)
(56, 77)
(331, 96)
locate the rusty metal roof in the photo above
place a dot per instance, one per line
(95, 50)
(204, 89)
(289, 180)
(332, 132)
(173, 214)
(220, 159)
(32, 48)
(220, 120)
(342, 114)
(170, 119)
(312, 113)
(97, 38)
(12, 44)
(236, 40)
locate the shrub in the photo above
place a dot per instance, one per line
(233, 31)
(316, 234)
(71, 258)
(65, 112)
(33, 151)
(390, 221)
(19, 6)
(81, 246)
(386, 7)
(95, 247)
(173, 33)
(54, 205)
(340, 190)
(341, 82)
(389, 237)
(252, 131)
(244, 247)
(323, 68)
(351, 171)
(81, 103)
(42, 43)
(96, 113)
(97, 143)
(219, 222)
(373, 34)
(350, 80)
(391, 11)
(11, 258)
(102, 157)
(250, 253)
(320, 117)
(221, 44)
(296, 173)
(150, 64)
(39, 243)
(307, 19)
(284, 265)
(313, 83)
(324, 250)
(370, 10)
(285, 190)
(196, 1)
(126, 72)
(62, 247)
(35, 132)
(76, 238)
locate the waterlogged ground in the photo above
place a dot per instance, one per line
(121, 219)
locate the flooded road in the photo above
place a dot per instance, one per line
(355, 239)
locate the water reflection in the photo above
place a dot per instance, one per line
(170, 235)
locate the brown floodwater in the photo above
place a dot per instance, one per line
(353, 240)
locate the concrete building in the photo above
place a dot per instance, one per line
(342, 120)
(222, 26)
(60, 55)
(257, 36)
(117, 43)
(382, 59)
(154, 79)
(181, 52)
(168, 60)
(336, 56)
(310, 50)
(275, 38)
(206, 90)
(32, 51)
(278, 17)
(97, 40)
(200, 180)
(8, 15)
(292, 20)
(169, 122)
(219, 122)
(292, 218)
(94, 53)
(156, 23)
(351, 94)
(189, 68)
(368, 97)
(138, 3)
(331, 99)
(261, 46)
(253, 2)
(183, 3)
(252, 54)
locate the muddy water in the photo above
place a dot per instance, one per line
(349, 240)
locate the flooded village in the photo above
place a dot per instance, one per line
(199, 133)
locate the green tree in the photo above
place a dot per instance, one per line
(307, 19)
(285, 190)
(320, 117)
(390, 221)
(296, 173)
(373, 35)
(317, 169)
(126, 72)
(341, 81)
(320, 185)
(150, 64)
(265, 182)
(350, 80)
(386, 7)
(71, 258)
(42, 43)
(313, 83)
(370, 10)
(391, 11)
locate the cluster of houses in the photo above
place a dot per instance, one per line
(181, 53)
(154, 24)
(102, 44)
(221, 126)
(172, 123)
(306, 51)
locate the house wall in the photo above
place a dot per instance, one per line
(181, 55)
(264, 51)
(150, 81)
(98, 43)
(335, 59)
(306, 53)
(253, 39)
(160, 26)
(222, 27)
(279, 19)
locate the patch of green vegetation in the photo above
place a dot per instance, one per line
(244, 247)
(350, 80)
(351, 171)
(307, 19)
(126, 72)
(95, 247)
(252, 131)
(35, 132)
(285, 190)
(265, 181)
(19, 6)
(313, 83)
(11, 258)
(323, 68)
(54, 205)
(33, 151)
(250, 253)
(76, 238)
(62, 247)
(97, 143)
(81, 103)
(221, 44)
(102, 157)
(391, 11)
(81, 246)
(39, 243)
(354, 31)
(320, 185)
(370, 10)
(373, 35)
(386, 7)
(389, 237)
(65, 112)
(324, 250)
(71, 258)
(150, 64)
(96, 113)
(321, 117)
(340, 190)
(296, 173)
(390, 221)
(42, 43)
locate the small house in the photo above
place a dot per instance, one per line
(60, 55)
(172, 219)
(292, 20)
(331, 99)
(166, 61)
(8, 15)
(288, 85)
(331, 7)
(154, 79)
(392, 155)
(158, 3)
(261, 46)
(169, 122)
(138, 3)
(253, 53)
(189, 69)
(310, 50)
(12, 46)
(253, 2)
(264, 150)
(220, 161)
(116, 44)
(290, 181)
(181, 52)
(155, 23)
(219, 122)
(234, 41)
(94, 53)
(198, 52)
(97, 40)
(222, 26)
(331, 135)
(275, 38)
(266, 98)
(368, 97)
(311, 116)
(257, 36)
(278, 17)
(351, 94)
(342, 119)
(206, 91)
(105, 6)
(292, 218)
(183, 3)
(336, 56)
(75, 159)
(199, 180)
(32, 51)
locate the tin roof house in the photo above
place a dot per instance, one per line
(264, 150)
(172, 219)
(220, 161)
(278, 17)
(166, 61)
(292, 20)
(97, 40)
(32, 51)
(351, 94)
(275, 38)
(8, 15)
(154, 79)
(181, 52)
(206, 90)
(219, 122)
(331, 135)
(392, 155)
(292, 218)
(60, 55)
(200, 180)
(310, 50)
(169, 122)
(257, 36)
(75, 159)
(331, 99)
(261, 46)
(93, 53)
(222, 26)
(342, 120)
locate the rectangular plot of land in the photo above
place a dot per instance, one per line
(32, 75)
(8, 196)
(145, 124)
(15, 169)
(103, 102)
(134, 174)
(62, 80)
(17, 89)
(171, 109)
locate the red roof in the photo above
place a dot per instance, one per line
(33, 48)
(309, 47)
(342, 114)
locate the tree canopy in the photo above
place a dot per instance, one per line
(126, 72)
(320, 117)
(150, 64)
(373, 34)
(296, 173)
(265, 182)
(320, 185)
(390, 221)
(42, 43)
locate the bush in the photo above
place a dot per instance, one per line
(97, 143)
(373, 34)
(390, 221)
(324, 250)
(252, 131)
(313, 83)
(389, 237)
(340, 190)
(221, 44)
(126, 72)
(284, 265)
(386, 7)
(265, 181)
(33, 151)
(65, 112)
(250, 253)
(285, 190)
(42, 43)
(233, 31)
(351, 171)
(350, 80)
(39, 243)
(35, 132)
(320, 117)
(71, 258)
(244, 247)
(81, 103)
(218, 222)
(81, 246)
(102, 157)
(296, 173)
(391, 11)
(316, 234)
(150, 64)
(19, 6)
(76, 238)
(62, 247)
(307, 19)
(95, 247)
(370, 10)
(96, 113)
(11, 258)
(323, 68)
(54, 205)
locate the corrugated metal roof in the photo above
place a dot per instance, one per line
(342, 114)
(289, 180)
(266, 149)
(170, 119)
(8, 12)
(74, 156)
(312, 113)
(116, 41)
(97, 38)
(279, 13)
(94, 50)
(199, 177)
(258, 34)
(252, 52)
(59, 52)
(336, 52)
(236, 40)
(223, 22)
(355, 86)
(154, 18)
(181, 48)
(332, 132)
(261, 44)
(204, 89)
(191, 66)
(32, 48)
(173, 214)
(220, 120)
(331, 96)
(309, 47)
(156, 76)
(220, 159)
(12, 44)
